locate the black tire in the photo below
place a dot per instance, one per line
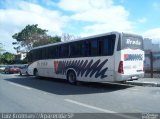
(20, 73)
(36, 72)
(27, 73)
(71, 77)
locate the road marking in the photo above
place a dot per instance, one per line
(89, 106)
(19, 85)
(99, 109)
(134, 89)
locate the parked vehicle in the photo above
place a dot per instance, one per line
(2, 68)
(23, 70)
(11, 69)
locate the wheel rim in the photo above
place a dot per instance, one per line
(36, 73)
(71, 78)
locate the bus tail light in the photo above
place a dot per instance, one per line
(120, 68)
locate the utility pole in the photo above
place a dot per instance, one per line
(151, 56)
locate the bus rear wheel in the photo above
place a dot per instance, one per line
(71, 77)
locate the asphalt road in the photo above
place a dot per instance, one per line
(30, 94)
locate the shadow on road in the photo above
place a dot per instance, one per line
(62, 87)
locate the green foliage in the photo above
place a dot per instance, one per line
(47, 40)
(7, 58)
(32, 36)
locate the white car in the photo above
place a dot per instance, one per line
(24, 69)
(2, 68)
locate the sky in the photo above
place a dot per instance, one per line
(79, 17)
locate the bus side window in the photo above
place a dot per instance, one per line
(64, 51)
(43, 53)
(52, 52)
(100, 44)
(106, 45)
(94, 47)
(55, 52)
(82, 48)
(77, 49)
(72, 52)
(47, 53)
(34, 55)
(59, 51)
(87, 48)
(39, 54)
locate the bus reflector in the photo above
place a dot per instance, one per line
(120, 68)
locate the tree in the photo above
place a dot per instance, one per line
(48, 40)
(7, 58)
(69, 37)
(32, 36)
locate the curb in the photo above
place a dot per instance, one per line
(149, 84)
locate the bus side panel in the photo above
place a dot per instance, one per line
(90, 69)
(46, 68)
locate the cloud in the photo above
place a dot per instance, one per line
(142, 20)
(14, 18)
(83, 5)
(103, 15)
(154, 34)
(84, 17)
(29, 13)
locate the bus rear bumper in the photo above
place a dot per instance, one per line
(122, 77)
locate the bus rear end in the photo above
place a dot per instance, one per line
(129, 57)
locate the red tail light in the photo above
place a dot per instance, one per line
(120, 68)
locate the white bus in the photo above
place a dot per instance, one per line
(109, 57)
